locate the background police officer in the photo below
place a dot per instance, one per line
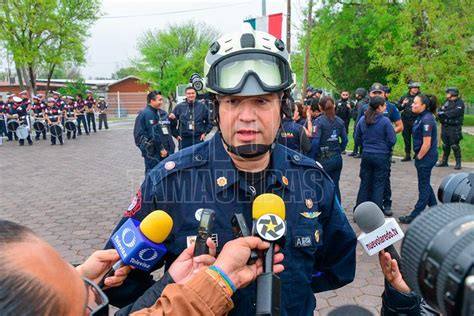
(90, 112)
(344, 107)
(451, 116)
(152, 132)
(408, 117)
(102, 106)
(242, 161)
(362, 102)
(293, 135)
(190, 120)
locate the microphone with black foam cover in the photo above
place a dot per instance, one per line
(268, 213)
(378, 233)
(139, 244)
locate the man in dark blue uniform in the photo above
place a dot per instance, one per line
(408, 117)
(344, 107)
(191, 121)
(241, 162)
(152, 132)
(451, 116)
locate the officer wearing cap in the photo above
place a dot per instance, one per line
(102, 106)
(10, 113)
(26, 101)
(152, 132)
(451, 116)
(38, 111)
(90, 112)
(360, 107)
(80, 108)
(190, 120)
(408, 117)
(391, 112)
(70, 114)
(53, 115)
(23, 118)
(242, 161)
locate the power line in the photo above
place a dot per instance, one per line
(172, 12)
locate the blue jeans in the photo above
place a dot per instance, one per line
(333, 167)
(373, 174)
(426, 196)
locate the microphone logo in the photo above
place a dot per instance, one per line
(271, 227)
(148, 254)
(128, 237)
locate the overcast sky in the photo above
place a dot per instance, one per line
(113, 37)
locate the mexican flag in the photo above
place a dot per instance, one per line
(271, 24)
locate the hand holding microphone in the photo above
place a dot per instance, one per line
(378, 233)
(139, 244)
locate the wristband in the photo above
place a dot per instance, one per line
(224, 276)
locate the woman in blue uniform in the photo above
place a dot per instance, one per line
(377, 136)
(329, 140)
(425, 146)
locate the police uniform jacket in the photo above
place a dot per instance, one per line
(407, 113)
(329, 137)
(342, 110)
(294, 136)
(187, 113)
(319, 246)
(425, 126)
(154, 125)
(452, 113)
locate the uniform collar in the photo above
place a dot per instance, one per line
(226, 174)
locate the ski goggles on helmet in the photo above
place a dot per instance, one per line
(250, 72)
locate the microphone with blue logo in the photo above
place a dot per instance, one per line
(268, 212)
(139, 244)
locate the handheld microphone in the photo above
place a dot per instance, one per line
(268, 212)
(378, 233)
(139, 244)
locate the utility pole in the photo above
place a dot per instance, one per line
(288, 25)
(264, 8)
(306, 53)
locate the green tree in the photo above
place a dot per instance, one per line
(169, 57)
(125, 72)
(74, 88)
(46, 32)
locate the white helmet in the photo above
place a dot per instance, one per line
(248, 63)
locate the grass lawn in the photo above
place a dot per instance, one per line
(467, 145)
(468, 120)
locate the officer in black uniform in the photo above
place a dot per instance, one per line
(362, 102)
(53, 115)
(408, 117)
(70, 115)
(293, 135)
(90, 104)
(23, 118)
(344, 107)
(3, 118)
(309, 96)
(451, 116)
(10, 113)
(242, 161)
(152, 132)
(80, 108)
(190, 120)
(102, 106)
(38, 110)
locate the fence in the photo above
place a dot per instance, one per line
(123, 104)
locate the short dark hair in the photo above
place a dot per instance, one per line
(21, 293)
(152, 96)
(190, 88)
(79, 95)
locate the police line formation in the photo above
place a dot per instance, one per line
(56, 115)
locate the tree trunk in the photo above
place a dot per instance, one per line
(31, 72)
(50, 75)
(20, 78)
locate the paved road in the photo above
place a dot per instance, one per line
(73, 195)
